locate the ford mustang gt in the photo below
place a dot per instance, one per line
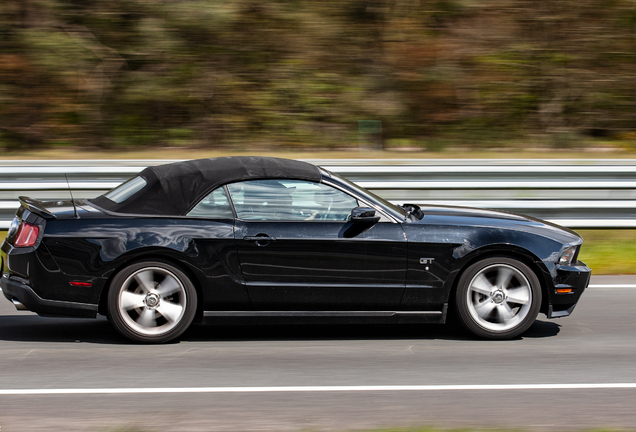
(258, 236)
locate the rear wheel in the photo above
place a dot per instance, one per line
(152, 302)
(498, 298)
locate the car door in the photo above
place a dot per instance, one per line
(298, 250)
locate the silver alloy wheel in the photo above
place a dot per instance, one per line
(152, 301)
(499, 297)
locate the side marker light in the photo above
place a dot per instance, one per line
(564, 290)
(80, 284)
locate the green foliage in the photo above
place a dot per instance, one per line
(298, 74)
(609, 251)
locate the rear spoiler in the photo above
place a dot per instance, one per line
(35, 206)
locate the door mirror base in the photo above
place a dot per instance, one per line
(364, 214)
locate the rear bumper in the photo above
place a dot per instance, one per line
(575, 278)
(14, 290)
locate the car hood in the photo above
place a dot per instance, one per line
(467, 216)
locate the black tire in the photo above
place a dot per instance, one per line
(498, 298)
(151, 302)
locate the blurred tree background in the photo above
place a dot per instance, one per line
(300, 74)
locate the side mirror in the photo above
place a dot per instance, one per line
(364, 214)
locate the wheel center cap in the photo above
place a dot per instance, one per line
(498, 297)
(152, 300)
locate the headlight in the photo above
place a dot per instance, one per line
(568, 255)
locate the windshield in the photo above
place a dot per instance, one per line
(367, 194)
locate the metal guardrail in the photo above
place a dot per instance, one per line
(573, 193)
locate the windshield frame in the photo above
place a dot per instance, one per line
(387, 206)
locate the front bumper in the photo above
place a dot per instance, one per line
(14, 290)
(575, 278)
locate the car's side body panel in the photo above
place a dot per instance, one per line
(93, 249)
(322, 265)
(448, 239)
(311, 265)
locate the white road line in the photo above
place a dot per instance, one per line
(308, 389)
(612, 286)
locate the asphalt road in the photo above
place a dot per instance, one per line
(596, 345)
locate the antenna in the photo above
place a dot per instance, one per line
(72, 199)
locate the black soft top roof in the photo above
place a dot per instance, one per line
(173, 189)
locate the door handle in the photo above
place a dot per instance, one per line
(259, 238)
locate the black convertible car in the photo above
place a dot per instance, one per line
(257, 236)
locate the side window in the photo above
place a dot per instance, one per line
(126, 190)
(215, 205)
(290, 200)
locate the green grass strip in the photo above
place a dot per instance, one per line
(609, 251)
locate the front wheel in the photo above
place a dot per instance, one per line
(151, 302)
(498, 298)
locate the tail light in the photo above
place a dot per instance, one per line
(27, 235)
